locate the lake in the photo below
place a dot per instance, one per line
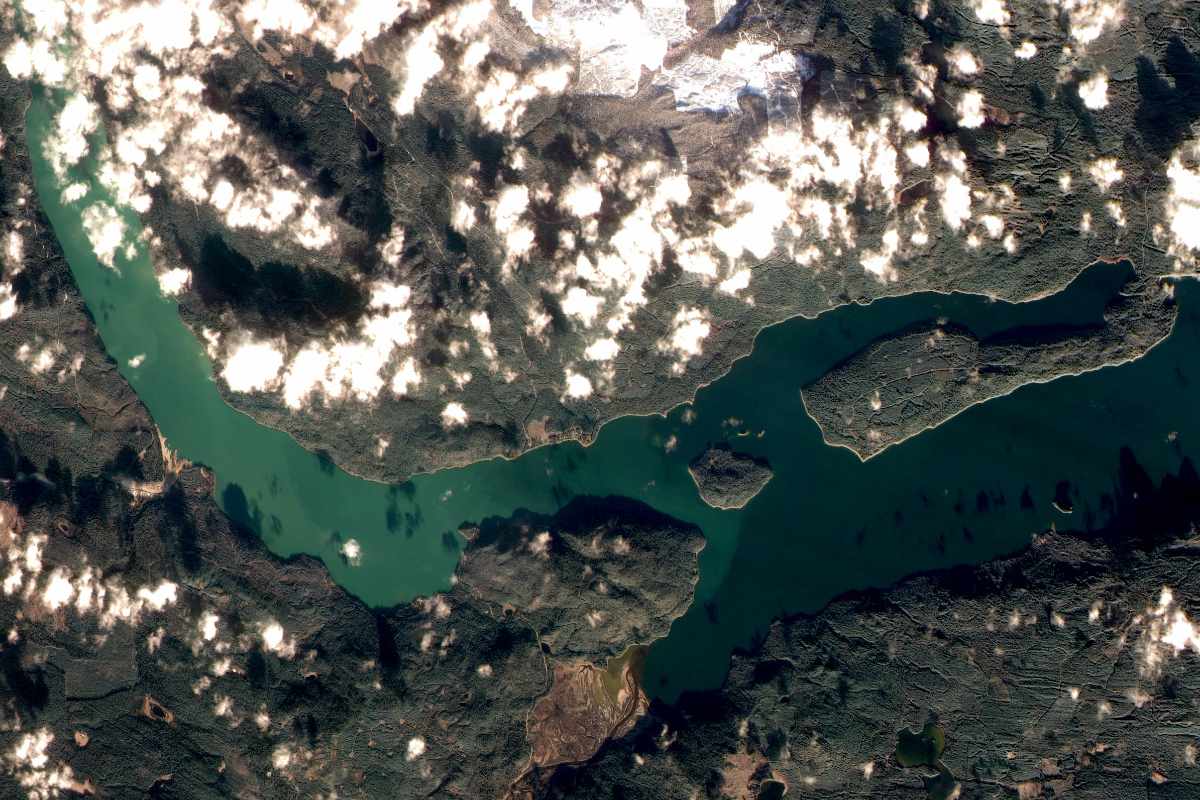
(826, 523)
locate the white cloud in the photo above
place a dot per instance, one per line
(1094, 90)
(363, 21)
(918, 154)
(275, 639)
(1183, 203)
(1089, 19)
(355, 365)
(911, 119)
(955, 200)
(578, 386)
(505, 96)
(421, 63)
(281, 756)
(879, 262)
(406, 378)
(8, 302)
(791, 195)
(14, 250)
(69, 143)
(516, 236)
(963, 61)
(993, 224)
(253, 367)
(275, 208)
(454, 416)
(105, 230)
(694, 258)
(463, 218)
(58, 591)
(689, 329)
(582, 305)
(23, 60)
(970, 109)
(290, 17)
(208, 626)
(344, 26)
(159, 597)
(481, 324)
(63, 590)
(700, 81)
(582, 197)
(391, 250)
(30, 764)
(147, 82)
(510, 205)
(1026, 50)
(1104, 173)
(763, 208)
(174, 281)
(1168, 631)
(614, 41)
(18, 60)
(994, 12)
(1116, 213)
(222, 195)
(165, 116)
(602, 350)
(737, 282)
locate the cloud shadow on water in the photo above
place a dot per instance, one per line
(246, 516)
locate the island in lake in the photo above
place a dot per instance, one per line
(726, 478)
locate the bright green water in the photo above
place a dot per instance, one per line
(825, 524)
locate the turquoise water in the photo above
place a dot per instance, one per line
(826, 523)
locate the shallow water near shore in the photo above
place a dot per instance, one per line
(826, 523)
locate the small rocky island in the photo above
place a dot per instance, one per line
(727, 479)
